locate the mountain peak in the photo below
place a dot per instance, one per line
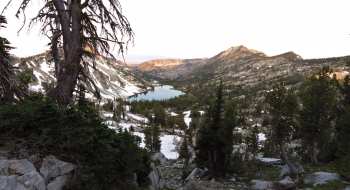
(289, 55)
(242, 48)
(236, 52)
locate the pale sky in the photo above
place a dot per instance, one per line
(203, 28)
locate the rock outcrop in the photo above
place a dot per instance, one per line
(53, 174)
(286, 170)
(157, 179)
(320, 178)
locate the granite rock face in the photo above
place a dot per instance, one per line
(21, 174)
(157, 179)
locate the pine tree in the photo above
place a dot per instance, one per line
(7, 72)
(319, 102)
(213, 148)
(253, 141)
(184, 152)
(152, 138)
(283, 107)
(343, 122)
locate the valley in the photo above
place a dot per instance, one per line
(244, 76)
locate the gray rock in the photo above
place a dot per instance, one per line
(34, 158)
(286, 170)
(159, 157)
(254, 181)
(193, 175)
(347, 188)
(58, 183)
(319, 178)
(263, 185)
(175, 141)
(157, 179)
(178, 166)
(8, 182)
(30, 181)
(52, 167)
(286, 182)
(16, 167)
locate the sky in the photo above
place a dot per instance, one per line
(202, 28)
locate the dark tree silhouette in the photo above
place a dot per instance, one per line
(8, 90)
(82, 30)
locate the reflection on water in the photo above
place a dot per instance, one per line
(159, 93)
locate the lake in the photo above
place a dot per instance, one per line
(159, 93)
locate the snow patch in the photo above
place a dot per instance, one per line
(187, 118)
(168, 148)
(262, 137)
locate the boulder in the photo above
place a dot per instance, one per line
(157, 179)
(16, 167)
(175, 141)
(285, 182)
(30, 181)
(159, 157)
(347, 188)
(8, 182)
(263, 185)
(195, 174)
(52, 167)
(319, 178)
(58, 183)
(255, 181)
(286, 170)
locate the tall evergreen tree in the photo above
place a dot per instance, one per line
(152, 138)
(343, 122)
(7, 72)
(226, 131)
(253, 141)
(319, 102)
(283, 107)
(212, 147)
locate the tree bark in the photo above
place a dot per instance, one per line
(314, 151)
(289, 163)
(67, 77)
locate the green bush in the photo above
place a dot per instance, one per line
(105, 159)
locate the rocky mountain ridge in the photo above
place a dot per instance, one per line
(244, 66)
(113, 78)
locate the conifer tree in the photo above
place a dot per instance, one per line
(7, 71)
(343, 122)
(213, 149)
(184, 152)
(319, 102)
(253, 141)
(152, 138)
(283, 107)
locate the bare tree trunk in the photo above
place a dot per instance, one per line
(71, 66)
(289, 163)
(209, 161)
(8, 94)
(310, 152)
(314, 151)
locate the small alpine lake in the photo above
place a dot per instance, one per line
(159, 93)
